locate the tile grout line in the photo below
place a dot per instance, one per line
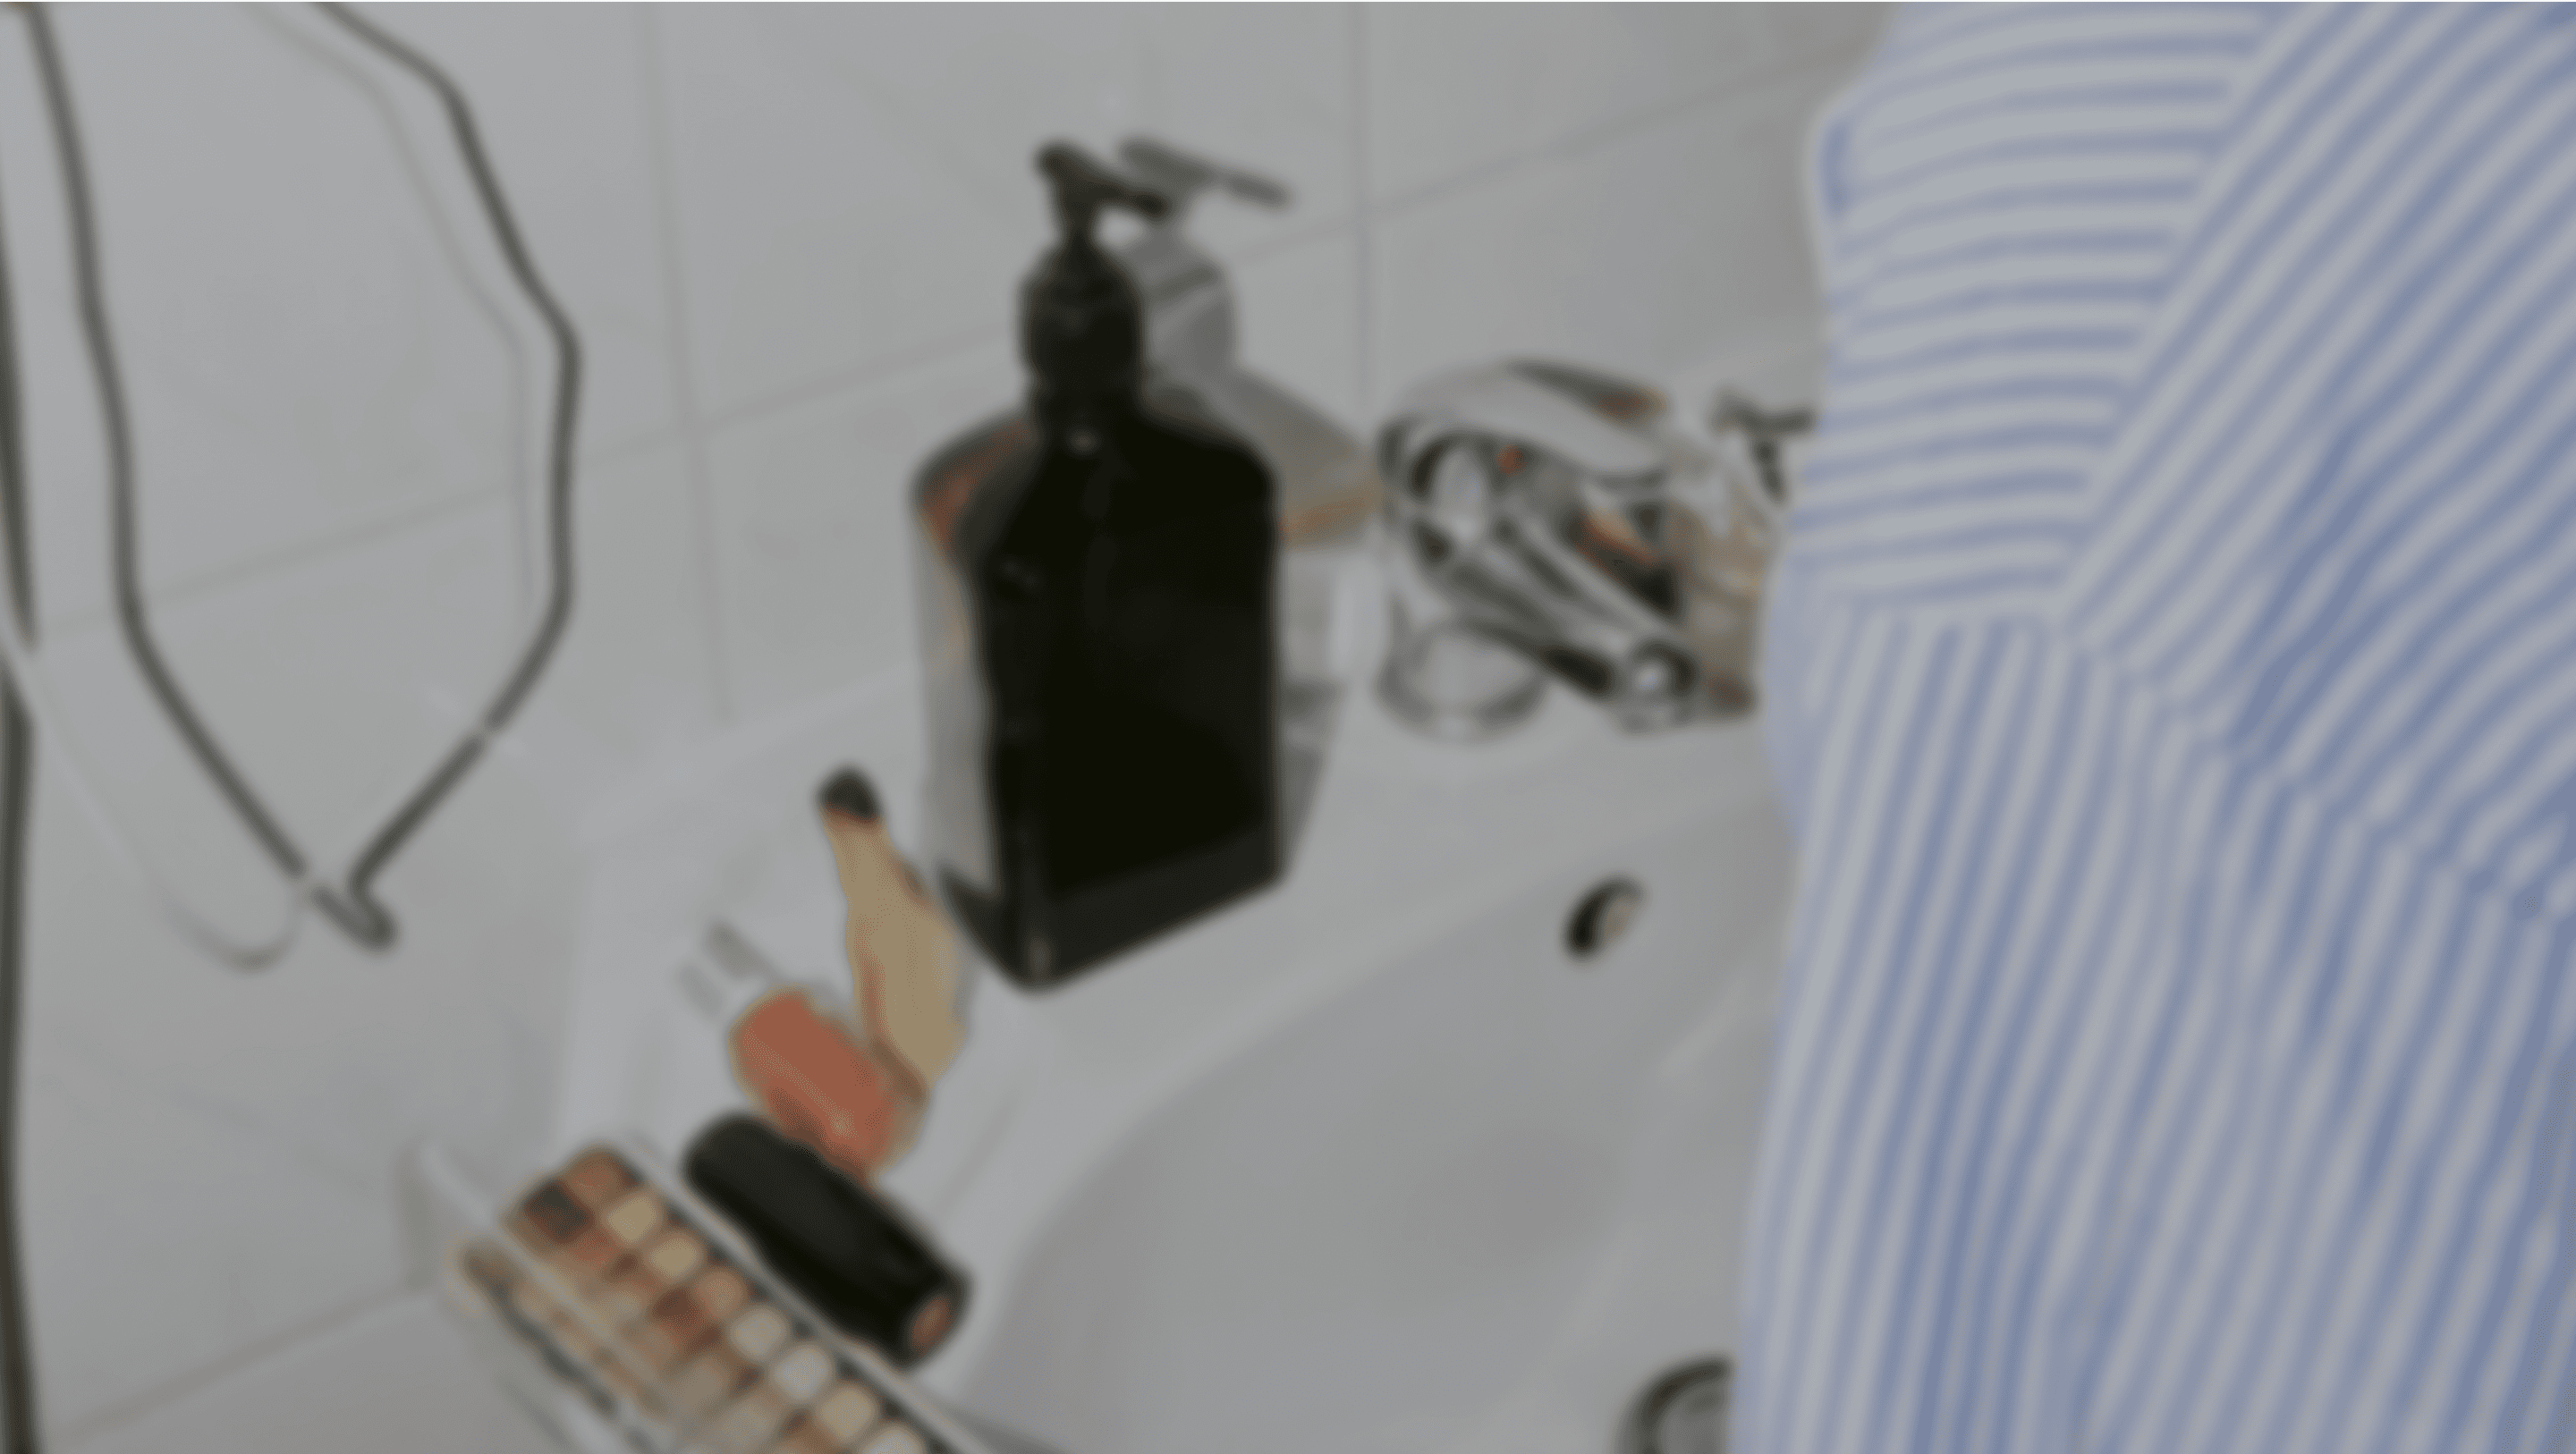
(1292, 236)
(179, 594)
(1574, 145)
(370, 529)
(684, 373)
(105, 1420)
(1363, 221)
(947, 348)
(874, 374)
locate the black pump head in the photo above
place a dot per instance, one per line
(1081, 323)
(1083, 186)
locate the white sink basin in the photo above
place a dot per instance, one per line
(1368, 1162)
(1470, 1199)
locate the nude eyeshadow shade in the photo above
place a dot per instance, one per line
(750, 1422)
(802, 1372)
(643, 1279)
(626, 1294)
(721, 1293)
(676, 1256)
(633, 1218)
(554, 1226)
(596, 1178)
(807, 1437)
(709, 1381)
(759, 1333)
(688, 1316)
(895, 1437)
(845, 1412)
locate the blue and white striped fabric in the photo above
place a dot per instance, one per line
(2173, 684)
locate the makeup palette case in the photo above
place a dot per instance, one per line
(628, 1315)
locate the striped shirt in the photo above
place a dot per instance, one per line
(2172, 683)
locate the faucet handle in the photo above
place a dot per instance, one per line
(1764, 431)
(1181, 175)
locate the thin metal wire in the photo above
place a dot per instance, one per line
(350, 903)
(19, 1430)
(22, 695)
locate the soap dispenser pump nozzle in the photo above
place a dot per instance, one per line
(1083, 186)
(1081, 322)
(1181, 175)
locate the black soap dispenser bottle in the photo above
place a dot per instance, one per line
(1099, 573)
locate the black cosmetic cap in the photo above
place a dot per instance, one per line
(849, 791)
(857, 1259)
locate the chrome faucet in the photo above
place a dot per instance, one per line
(1542, 524)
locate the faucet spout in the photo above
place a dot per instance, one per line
(1540, 507)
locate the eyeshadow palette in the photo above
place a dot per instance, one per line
(650, 1322)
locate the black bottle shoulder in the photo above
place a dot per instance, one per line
(1135, 469)
(1183, 424)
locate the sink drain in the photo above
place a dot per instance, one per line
(1602, 916)
(1682, 1412)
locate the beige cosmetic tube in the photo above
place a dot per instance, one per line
(903, 959)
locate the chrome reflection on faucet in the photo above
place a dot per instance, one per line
(1546, 521)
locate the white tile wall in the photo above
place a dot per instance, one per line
(305, 358)
(790, 237)
(1454, 90)
(854, 185)
(1319, 352)
(1619, 253)
(812, 563)
(561, 94)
